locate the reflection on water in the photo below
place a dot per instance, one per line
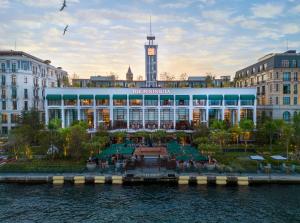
(153, 203)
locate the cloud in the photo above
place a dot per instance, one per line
(296, 9)
(46, 3)
(267, 10)
(290, 28)
(4, 4)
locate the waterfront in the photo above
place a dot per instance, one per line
(160, 203)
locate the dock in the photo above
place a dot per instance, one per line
(150, 178)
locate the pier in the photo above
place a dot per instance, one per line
(150, 178)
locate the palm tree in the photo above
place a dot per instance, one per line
(247, 127)
(236, 132)
(287, 134)
(181, 137)
(159, 135)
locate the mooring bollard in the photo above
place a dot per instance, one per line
(201, 180)
(117, 179)
(183, 180)
(243, 181)
(221, 180)
(79, 179)
(58, 179)
(99, 179)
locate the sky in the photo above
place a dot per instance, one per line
(193, 36)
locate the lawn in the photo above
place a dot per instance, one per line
(44, 166)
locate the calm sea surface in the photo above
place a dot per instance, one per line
(151, 203)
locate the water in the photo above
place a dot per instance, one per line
(151, 203)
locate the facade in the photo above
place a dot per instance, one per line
(23, 82)
(276, 78)
(134, 109)
(191, 82)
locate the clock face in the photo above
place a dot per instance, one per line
(151, 51)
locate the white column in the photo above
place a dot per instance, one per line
(254, 112)
(94, 107)
(239, 111)
(62, 113)
(143, 109)
(158, 108)
(46, 112)
(191, 109)
(174, 108)
(127, 107)
(78, 108)
(111, 114)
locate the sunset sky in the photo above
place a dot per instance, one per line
(193, 36)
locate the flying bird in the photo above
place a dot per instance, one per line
(63, 6)
(65, 29)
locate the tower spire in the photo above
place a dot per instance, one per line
(150, 27)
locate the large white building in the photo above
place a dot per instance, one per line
(133, 109)
(23, 82)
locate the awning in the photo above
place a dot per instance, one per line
(53, 97)
(86, 96)
(257, 158)
(136, 97)
(200, 158)
(182, 97)
(215, 97)
(231, 97)
(247, 97)
(278, 157)
(102, 97)
(151, 97)
(167, 97)
(120, 97)
(70, 97)
(199, 97)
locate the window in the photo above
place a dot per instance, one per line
(14, 118)
(295, 100)
(25, 80)
(3, 105)
(286, 100)
(277, 75)
(54, 102)
(3, 94)
(136, 118)
(265, 66)
(286, 76)
(285, 63)
(277, 100)
(295, 76)
(295, 88)
(167, 118)
(270, 101)
(286, 116)
(102, 102)
(3, 80)
(13, 80)
(26, 105)
(4, 117)
(135, 102)
(14, 92)
(14, 67)
(258, 90)
(4, 130)
(277, 87)
(3, 67)
(286, 89)
(26, 93)
(263, 90)
(14, 105)
(293, 63)
(270, 88)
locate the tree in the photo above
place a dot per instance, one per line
(209, 80)
(181, 137)
(201, 130)
(218, 125)
(287, 134)
(183, 77)
(220, 136)
(119, 136)
(236, 132)
(271, 128)
(77, 136)
(296, 126)
(159, 135)
(247, 127)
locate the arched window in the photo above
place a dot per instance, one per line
(286, 116)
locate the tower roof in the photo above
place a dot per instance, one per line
(129, 70)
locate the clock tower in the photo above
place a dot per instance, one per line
(151, 60)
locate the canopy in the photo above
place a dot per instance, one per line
(215, 97)
(120, 97)
(199, 97)
(278, 157)
(167, 97)
(182, 97)
(70, 97)
(257, 158)
(200, 158)
(183, 158)
(102, 97)
(247, 97)
(53, 97)
(136, 96)
(231, 97)
(151, 97)
(86, 96)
